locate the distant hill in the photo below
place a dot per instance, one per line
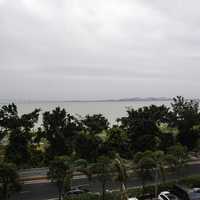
(146, 99)
(126, 99)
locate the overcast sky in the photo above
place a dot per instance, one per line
(99, 49)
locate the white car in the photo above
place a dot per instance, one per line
(165, 195)
(132, 198)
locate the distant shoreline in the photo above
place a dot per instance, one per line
(136, 99)
(123, 100)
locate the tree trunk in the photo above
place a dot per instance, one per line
(143, 186)
(103, 190)
(121, 191)
(60, 189)
(5, 191)
(124, 195)
(156, 182)
(59, 194)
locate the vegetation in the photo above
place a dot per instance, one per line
(9, 180)
(103, 170)
(193, 181)
(121, 177)
(149, 142)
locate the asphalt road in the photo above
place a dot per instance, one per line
(43, 190)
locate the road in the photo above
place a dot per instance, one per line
(44, 190)
(33, 172)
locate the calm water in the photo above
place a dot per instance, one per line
(111, 110)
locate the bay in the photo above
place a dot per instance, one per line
(110, 109)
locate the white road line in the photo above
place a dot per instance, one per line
(36, 181)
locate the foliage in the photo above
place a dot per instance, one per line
(102, 169)
(117, 142)
(91, 196)
(57, 174)
(37, 156)
(192, 181)
(62, 169)
(9, 182)
(19, 132)
(145, 165)
(177, 158)
(88, 146)
(142, 128)
(122, 176)
(60, 130)
(95, 124)
(184, 116)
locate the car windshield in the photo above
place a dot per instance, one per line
(194, 196)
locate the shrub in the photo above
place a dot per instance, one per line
(192, 181)
(89, 196)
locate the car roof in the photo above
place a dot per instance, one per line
(132, 198)
(165, 192)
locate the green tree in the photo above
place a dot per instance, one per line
(145, 166)
(19, 130)
(95, 124)
(60, 130)
(88, 146)
(142, 126)
(9, 182)
(57, 173)
(117, 142)
(159, 159)
(102, 169)
(62, 169)
(177, 158)
(122, 176)
(85, 168)
(185, 116)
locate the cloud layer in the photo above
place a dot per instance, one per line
(95, 49)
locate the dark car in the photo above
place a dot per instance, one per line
(187, 193)
(74, 192)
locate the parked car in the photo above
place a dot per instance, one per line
(166, 195)
(186, 193)
(132, 198)
(194, 194)
(74, 192)
(81, 187)
(109, 191)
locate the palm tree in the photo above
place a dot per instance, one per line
(177, 158)
(121, 176)
(57, 173)
(61, 171)
(160, 161)
(145, 166)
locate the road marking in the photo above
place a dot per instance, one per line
(36, 181)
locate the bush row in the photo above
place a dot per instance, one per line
(192, 181)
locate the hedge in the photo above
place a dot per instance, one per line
(191, 181)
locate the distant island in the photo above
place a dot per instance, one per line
(90, 100)
(145, 99)
(125, 99)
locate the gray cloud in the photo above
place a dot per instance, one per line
(99, 49)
